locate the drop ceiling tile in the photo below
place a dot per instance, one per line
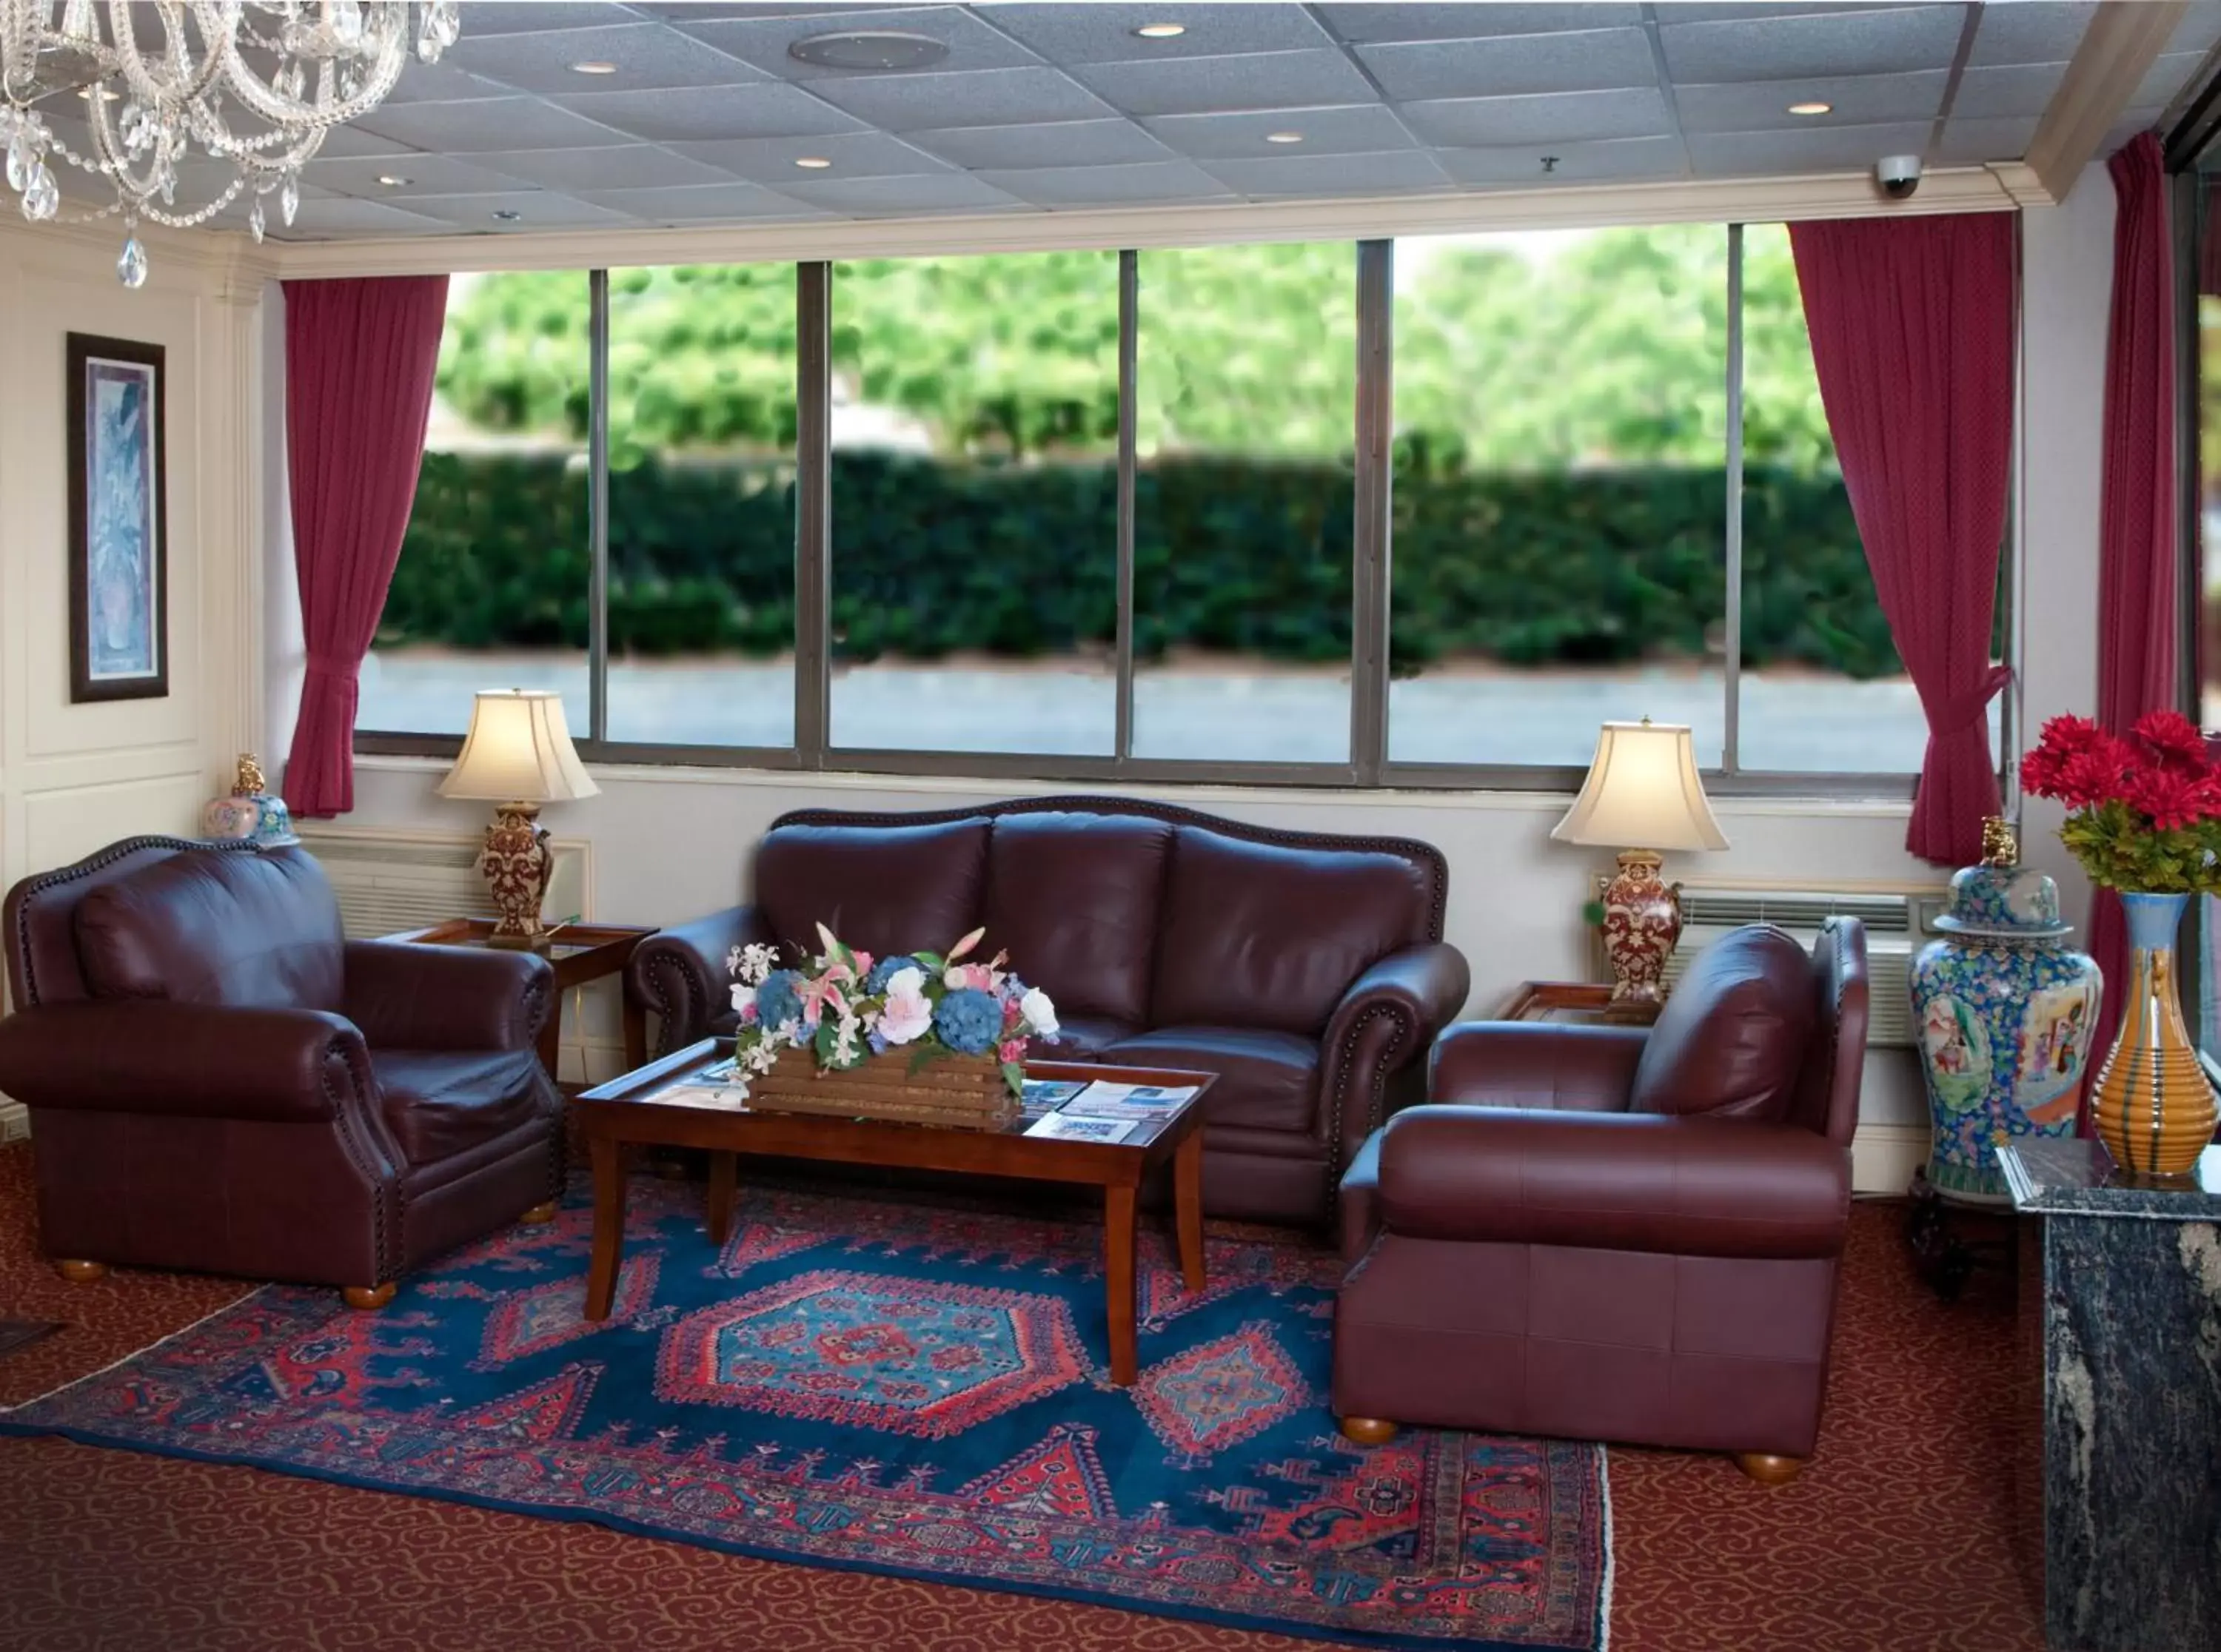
(1593, 59)
(879, 198)
(1428, 22)
(982, 97)
(701, 203)
(1746, 11)
(344, 218)
(1406, 171)
(350, 142)
(445, 82)
(1214, 85)
(706, 10)
(1575, 163)
(2197, 31)
(2033, 31)
(537, 16)
(1066, 143)
(764, 42)
(1969, 142)
(2168, 75)
(1837, 43)
(2136, 121)
(481, 126)
(2005, 90)
(427, 175)
(854, 154)
(1069, 33)
(1088, 186)
(1859, 100)
(647, 55)
(1555, 117)
(1359, 128)
(575, 171)
(704, 114)
(536, 209)
(1821, 149)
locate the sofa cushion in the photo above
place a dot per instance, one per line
(1264, 936)
(1267, 1080)
(1730, 1041)
(1073, 898)
(258, 931)
(441, 1102)
(880, 888)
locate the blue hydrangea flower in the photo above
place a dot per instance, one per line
(779, 998)
(876, 978)
(968, 1021)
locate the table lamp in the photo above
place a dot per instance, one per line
(1641, 788)
(518, 755)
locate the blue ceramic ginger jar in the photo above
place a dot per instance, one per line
(2004, 1011)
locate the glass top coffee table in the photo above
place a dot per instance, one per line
(655, 1107)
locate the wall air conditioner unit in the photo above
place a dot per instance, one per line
(390, 881)
(1898, 923)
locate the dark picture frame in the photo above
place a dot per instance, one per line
(119, 549)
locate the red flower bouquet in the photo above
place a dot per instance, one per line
(2145, 811)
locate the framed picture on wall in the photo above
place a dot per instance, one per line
(119, 552)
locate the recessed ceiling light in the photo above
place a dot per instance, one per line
(1283, 137)
(816, 163)
(1161, 31)
(393, 181)
(506, 216)
(1815, 108)
(867, 49)
(593, 67)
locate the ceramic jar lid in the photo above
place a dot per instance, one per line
(2004, 903)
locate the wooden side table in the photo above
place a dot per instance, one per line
(580, 953)
(1582, 1002)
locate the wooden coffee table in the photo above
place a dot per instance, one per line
(625, 1111)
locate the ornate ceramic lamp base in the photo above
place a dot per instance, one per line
(517, 863)
(1642, 922)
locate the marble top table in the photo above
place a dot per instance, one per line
(2127, 1309)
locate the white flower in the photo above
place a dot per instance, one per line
(953, 977)
(752, 963)
(907, 1015)
(1040, 1013)
(906, 982)
(743, 995)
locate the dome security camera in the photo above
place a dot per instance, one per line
(1898, 175)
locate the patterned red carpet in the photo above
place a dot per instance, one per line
(1897, 1538)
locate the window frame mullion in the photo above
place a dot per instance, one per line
(813, 513)
(1731, 738)
(597, 505)
(1369, 540)
(1129, 322)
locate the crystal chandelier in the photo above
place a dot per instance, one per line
(254, 84)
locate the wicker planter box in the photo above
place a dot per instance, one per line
(955, 1092)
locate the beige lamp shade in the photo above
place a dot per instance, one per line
(518, 750)
(1643, 793)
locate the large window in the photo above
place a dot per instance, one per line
(1413, 512)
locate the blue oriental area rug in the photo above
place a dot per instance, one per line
(900, 1387)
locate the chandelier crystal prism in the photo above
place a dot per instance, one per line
(253, 84)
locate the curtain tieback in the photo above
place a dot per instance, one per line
(1963, 712)
(347, 675)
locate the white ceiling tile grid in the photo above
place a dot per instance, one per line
(592, 115)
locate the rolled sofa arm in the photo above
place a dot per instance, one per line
(1536, 1064)
(679, 975)
(406, 996)
(1384, 1024)
(1615, 1182)
(203, 1061)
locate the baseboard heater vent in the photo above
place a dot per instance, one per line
(391, 882)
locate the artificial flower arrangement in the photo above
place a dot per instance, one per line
(2145, 812)
(848, 1006)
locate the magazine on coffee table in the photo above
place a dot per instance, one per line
(703, 1090)
(1047, 1095)
(1064, 1127)
(1141, 1103)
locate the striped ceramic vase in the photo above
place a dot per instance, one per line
(2154, 1108)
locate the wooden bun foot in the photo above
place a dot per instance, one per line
(82, 1273)
(368, 1299)
(1769, 1470)
(1368, 1430)
(539, 1215)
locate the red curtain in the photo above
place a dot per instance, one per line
(2136, 532)
(358, 361)
(1911, 322)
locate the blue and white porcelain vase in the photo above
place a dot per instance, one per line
(2004, 1012)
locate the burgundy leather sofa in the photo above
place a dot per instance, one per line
(1611, 1233)
(219, 1080)
(1308, 971)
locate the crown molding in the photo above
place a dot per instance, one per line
(2119, 47)
(228, 262)
(1965, 189)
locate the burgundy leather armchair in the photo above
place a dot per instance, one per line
(1307, 970)
(219, 1080)
(1612, 1233)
